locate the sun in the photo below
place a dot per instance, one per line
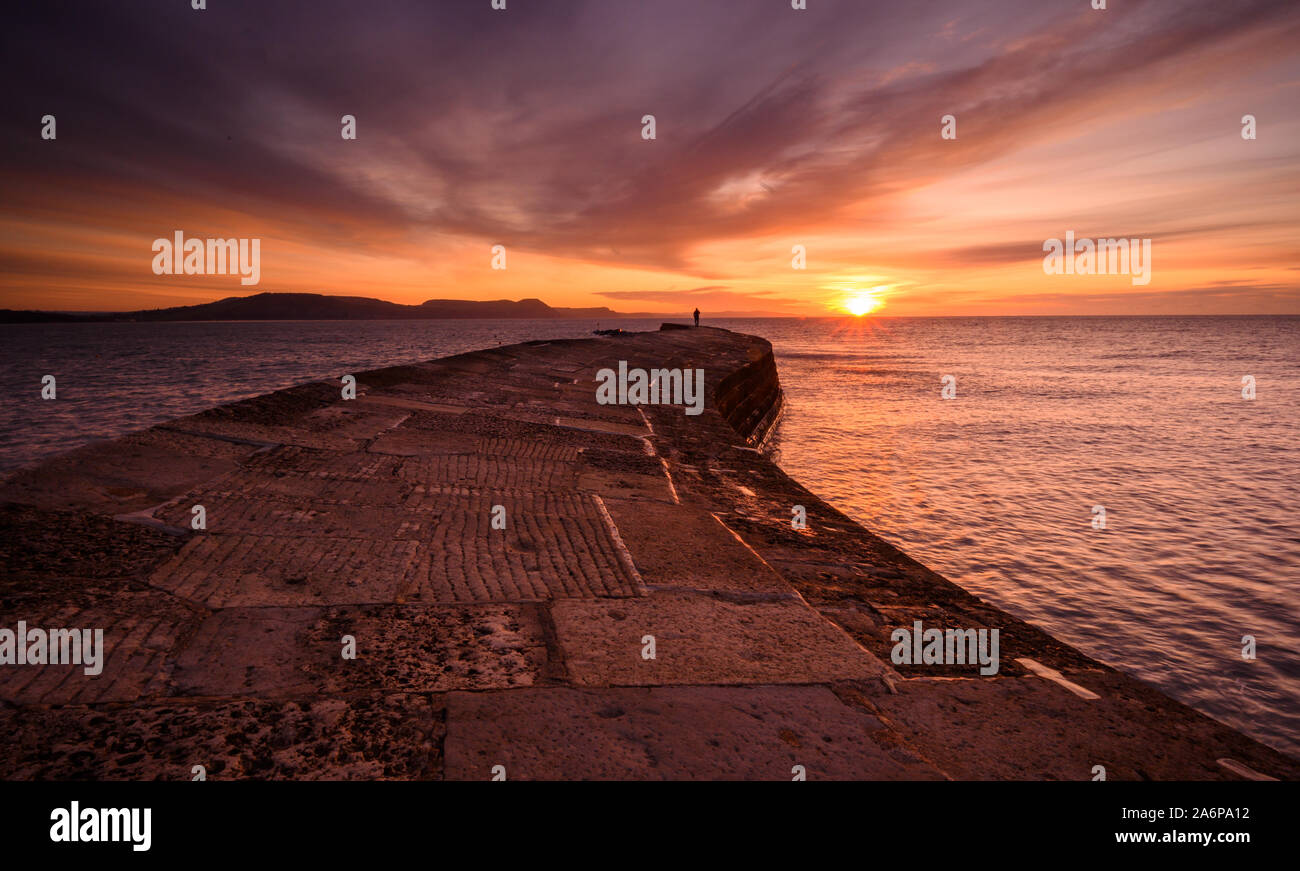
(862, 303)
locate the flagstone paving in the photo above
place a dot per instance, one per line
(473, 570)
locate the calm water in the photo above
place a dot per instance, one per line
(995, 488)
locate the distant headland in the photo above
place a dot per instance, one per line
(318, 307)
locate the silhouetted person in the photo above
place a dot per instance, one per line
(697, 317)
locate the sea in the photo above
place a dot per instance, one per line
(1129, 484)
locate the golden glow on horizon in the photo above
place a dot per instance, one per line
(863, 303)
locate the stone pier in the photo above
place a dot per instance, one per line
(522, 651)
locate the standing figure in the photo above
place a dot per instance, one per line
(697, 317)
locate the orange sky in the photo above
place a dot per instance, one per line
(526, 131)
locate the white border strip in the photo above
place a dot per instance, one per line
(669, 476)
(1055, 676)
(623, 553)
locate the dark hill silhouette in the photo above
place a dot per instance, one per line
(316, 306)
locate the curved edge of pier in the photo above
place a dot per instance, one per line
(473, 570)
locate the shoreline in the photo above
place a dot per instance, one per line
(371, 515)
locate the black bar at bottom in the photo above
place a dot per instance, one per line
(911, 822)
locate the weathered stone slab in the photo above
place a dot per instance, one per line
(140, 629)
(704, 640)
(489, 472)
(483, 424)
(311, 415)
(377, 490)
(128, 474)
(292, 518)
(278, 652)
(250, 652)
(339, 440)
(537, 449)
(224, 571)
(637, 430)
(348, 419)
(554, 545)
(45, 551)
(390, 401)
(316, 463)
(681, 547)
(679, 733)
(418, 443)
(378, 737)
(622, 485)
